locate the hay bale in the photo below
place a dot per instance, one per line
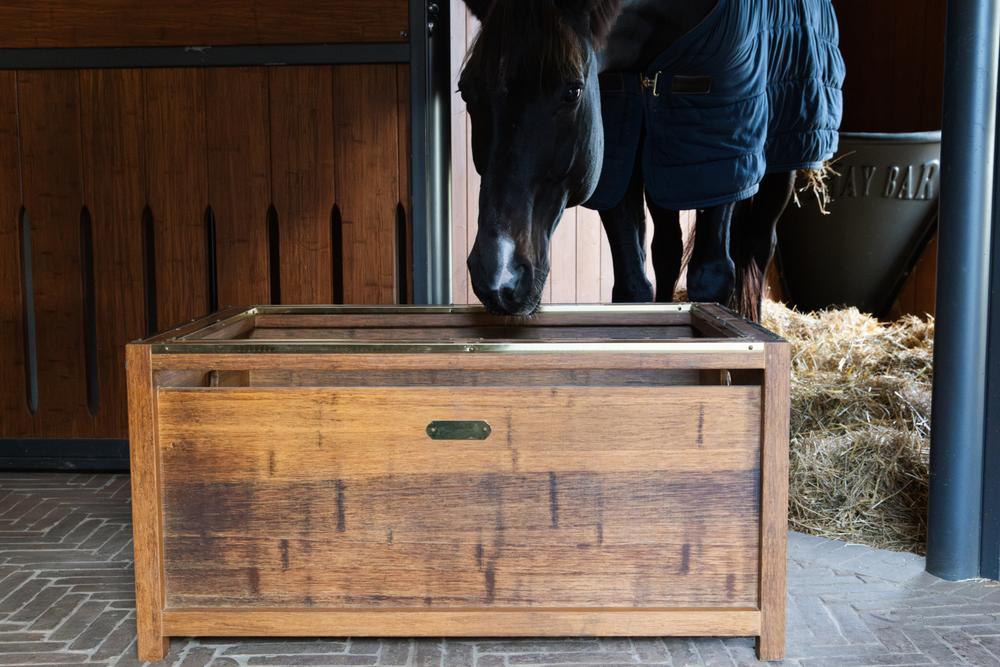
(861, 406)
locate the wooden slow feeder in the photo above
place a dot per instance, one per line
(437, 471)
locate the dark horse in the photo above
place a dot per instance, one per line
(533, 84)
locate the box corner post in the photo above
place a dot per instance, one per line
(775, 422)
(147, 535)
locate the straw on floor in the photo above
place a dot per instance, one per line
(861, 409)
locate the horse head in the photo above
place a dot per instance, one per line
(531, 88)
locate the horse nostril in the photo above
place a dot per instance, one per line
(508, 295)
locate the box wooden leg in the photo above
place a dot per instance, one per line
(152, 646)
(771, 647)
(146, 538)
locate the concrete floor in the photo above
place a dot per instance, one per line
(66, 598)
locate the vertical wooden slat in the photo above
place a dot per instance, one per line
(403, 152)
(588, 256)
(607, 268)
(15, 419)
(302, 179)
(146, 507)
(50, 148)
(236, 116)
(895, 61)
(919, 292)
(563, 259)
(239, 180)
(114, 191)
(366, 178)
(472, 219)
(474, 181)
(911, 81)
(177, 191)
(459, 166)
(925, 292)
(932, 44)
(774, 500)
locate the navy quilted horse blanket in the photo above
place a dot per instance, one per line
(755, 88)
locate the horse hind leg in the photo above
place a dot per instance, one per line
(712, 272)
(667, 249)
(755, 239)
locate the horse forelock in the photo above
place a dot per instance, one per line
(526, 44)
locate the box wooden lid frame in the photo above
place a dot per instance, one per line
(293, 348)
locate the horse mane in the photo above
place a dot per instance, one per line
(532, 43)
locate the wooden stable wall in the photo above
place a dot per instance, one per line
(132, 200)
(894, 51)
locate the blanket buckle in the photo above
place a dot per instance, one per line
(651, 83)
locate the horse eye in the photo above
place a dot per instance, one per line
(572, 94)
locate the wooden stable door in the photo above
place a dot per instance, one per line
(132, 200)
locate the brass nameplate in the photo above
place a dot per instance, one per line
(459, 430)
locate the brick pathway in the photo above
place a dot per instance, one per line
(66, 598)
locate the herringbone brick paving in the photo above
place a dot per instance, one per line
(66, 598)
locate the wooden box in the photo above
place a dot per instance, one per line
(437, 471)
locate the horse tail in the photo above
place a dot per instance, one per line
(686, 253)
(748, 295)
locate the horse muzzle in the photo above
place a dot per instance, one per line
(503, 282)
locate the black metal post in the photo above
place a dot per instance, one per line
(960, 355)
(430, 108)
(990, 550)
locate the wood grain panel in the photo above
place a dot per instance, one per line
(463, 622)
(562, 506)
(15, 419)
(582, 513)
(112, 111)
(92, 23)
(49, 108)
(285, 432)
(301, 137)
(177, 191)
(894, 53)
(367, 178)
(239, 186)
(332, 570)
(483, 361)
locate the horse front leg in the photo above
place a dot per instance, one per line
(625, 226)
(712, 272)
(667, 250)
